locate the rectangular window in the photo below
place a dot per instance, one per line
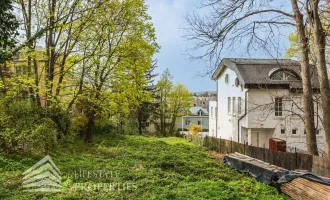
(216, 112)
(187, 122)
(229, 105)
(147, 124)
(317, 131)
(278, 106)
(234, 105)
(294, 131)
(212, 112)
(199, 122)
(239, 105)
(282, 131)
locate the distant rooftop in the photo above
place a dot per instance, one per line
(196, 111)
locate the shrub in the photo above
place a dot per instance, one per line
(106, 124)
(131, 127)
(26, 127)
(79, 123)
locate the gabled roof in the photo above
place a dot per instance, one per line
(253, 72)
(196, 109)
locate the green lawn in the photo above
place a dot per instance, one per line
(146, 167)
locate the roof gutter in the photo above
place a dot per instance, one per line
(245, 112)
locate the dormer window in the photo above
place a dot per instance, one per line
(279, 74)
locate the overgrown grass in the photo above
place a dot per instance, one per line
(160, 168)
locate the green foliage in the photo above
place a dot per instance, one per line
(173, 101)
(120, 47)
(292, 51)
(131, 126)
(147, 107)
(79, 123)
(8, 30)
(106, 125)
(162, 168)
(162, 115)
(179, 103)
(25, 127)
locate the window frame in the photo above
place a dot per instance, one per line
(212, 112)
(278, 106)
(234, 106)
(239, 105)
(229, 105)
(294, 131)
(284, 75)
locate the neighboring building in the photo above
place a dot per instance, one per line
(19, 67)
(201, 99)
(197, 116)
(259, 99)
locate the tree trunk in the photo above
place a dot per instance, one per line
(51, 49)
(36, 82)
(319, 50)
(139, 116)
(90, 128)
(29, 45)
(172, 127)
(306, 82)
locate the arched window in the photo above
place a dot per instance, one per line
(283, 75)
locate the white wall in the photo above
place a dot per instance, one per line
(212, 118)
(260, 115)
(193, 119)
(227, 122)
(264, 117)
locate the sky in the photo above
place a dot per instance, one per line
(168, 19)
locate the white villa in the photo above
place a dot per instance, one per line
(259, 99)
(197, 115)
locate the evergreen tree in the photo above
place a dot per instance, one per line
(8, 30)
(147, 108)
(162, 115)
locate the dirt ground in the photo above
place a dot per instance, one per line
(217, 155)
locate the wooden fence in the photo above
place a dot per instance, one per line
(287, 160)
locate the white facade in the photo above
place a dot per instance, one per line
(212, 118)
(184, 121)
(248, 115)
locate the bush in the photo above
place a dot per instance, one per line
(26, 127)
(105, 125)
(131, 127)
(79, 123)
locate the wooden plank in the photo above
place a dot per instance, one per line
(301, 188)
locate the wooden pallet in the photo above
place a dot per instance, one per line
(300, 188)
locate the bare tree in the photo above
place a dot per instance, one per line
(313, 9)
(305, 75)
(255, 24)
